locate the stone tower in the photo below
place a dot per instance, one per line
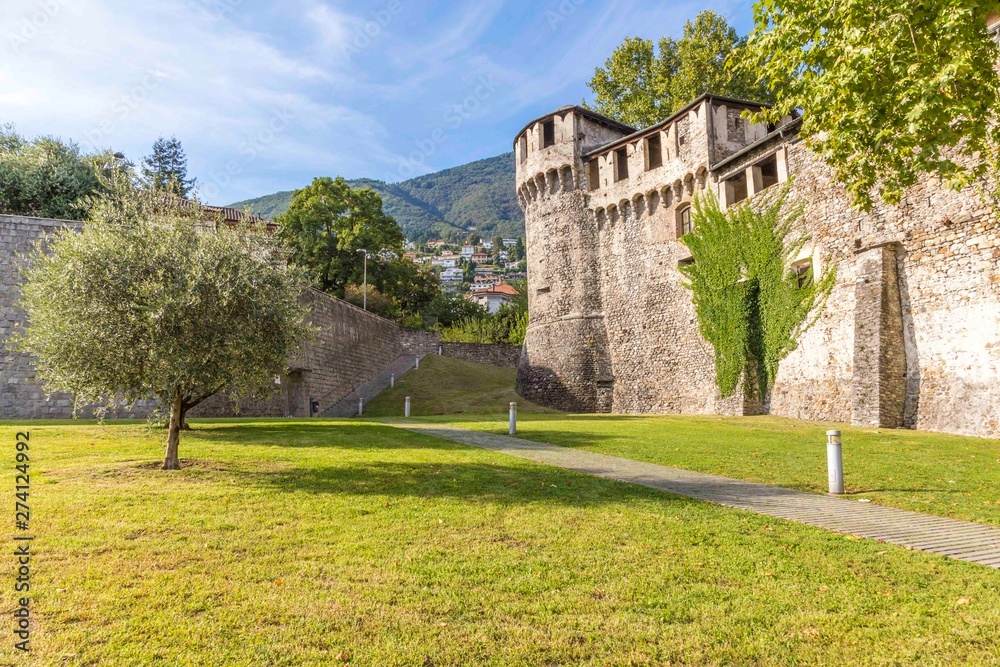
(566, 361)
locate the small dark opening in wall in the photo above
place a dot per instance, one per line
(594, 174)
(621, 162)
(768, 171)
(522, 145)
(543, 290)
(803, 273)
(549, 133)
(687, 261)
(654, 152)
(736, 188)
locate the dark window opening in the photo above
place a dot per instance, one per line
(803, 274)
(594, 174)
(736, 188)
(543, 290)
(523, 146)
(654, 152)
(621, 162)
(549, 133)
(768, 172)
(684, 225)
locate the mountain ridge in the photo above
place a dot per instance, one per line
(474, 197)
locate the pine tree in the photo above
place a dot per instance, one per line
(166, 168)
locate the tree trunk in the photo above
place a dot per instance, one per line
(171, 460)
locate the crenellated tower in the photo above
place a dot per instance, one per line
(566, 361)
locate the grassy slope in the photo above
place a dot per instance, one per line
(926, 472)
(451, 386)
(315, 543)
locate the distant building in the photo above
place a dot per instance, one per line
(480, 257)
(487, 245)
(453, 275)
(510, 243)
(493, 298)
(445, 262)
(468, 251)
(411, 256)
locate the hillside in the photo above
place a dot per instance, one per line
(478, 196)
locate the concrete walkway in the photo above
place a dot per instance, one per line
(973, 542)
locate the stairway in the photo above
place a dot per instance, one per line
(348, 406)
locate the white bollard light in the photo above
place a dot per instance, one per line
(361, 406)
(512, 429)
(406, 408)
(416, 362)
(392, 380)
(835, 462)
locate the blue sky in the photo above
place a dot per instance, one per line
(267, 95)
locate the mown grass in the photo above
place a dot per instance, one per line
(443, 385)
(346, 542)
(936, 473)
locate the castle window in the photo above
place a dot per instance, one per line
(594, 174)
(522, 145)
(803, 273)
(549, 133)
(654, 152)
(621, 164)
(768, 171)
(684, 225)
(736, 188)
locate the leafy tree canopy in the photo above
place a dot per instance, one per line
(751, 306)
(165, 169)
(46, 177)
(326, 225)
(641, 84)
(889, 90)
(149, 301)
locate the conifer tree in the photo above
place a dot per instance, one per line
(165, 169)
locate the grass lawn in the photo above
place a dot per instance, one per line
(949, 475)
(443, 385)
(289, 542)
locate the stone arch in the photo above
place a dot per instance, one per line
(689, 184)
(701, 178)
(639, 204)
(566, 178)
(540, 184)
(678, 190)
(532, 189)
(520, 198)
(653, 199)
(667, 196)
(612, 214)
(601, 217)
(552, 181)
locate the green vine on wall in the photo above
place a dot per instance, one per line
(751, 305)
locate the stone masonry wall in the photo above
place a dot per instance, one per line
(505, 356)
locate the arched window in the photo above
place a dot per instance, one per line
(684, 225)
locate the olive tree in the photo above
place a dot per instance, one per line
(149, 300)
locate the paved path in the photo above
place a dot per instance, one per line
(977, 543)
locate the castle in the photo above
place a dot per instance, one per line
(910, 336)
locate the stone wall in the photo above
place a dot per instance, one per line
(910, 335)
(21, 396)
(505, 356)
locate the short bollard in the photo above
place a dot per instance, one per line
(440, 350)
(416, 362)
(406, 407)
(392, 380)
(835, 462)
(513, 419)
(361, 406)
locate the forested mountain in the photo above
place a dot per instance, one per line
(478, 197)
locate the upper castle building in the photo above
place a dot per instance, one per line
(910, 335)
